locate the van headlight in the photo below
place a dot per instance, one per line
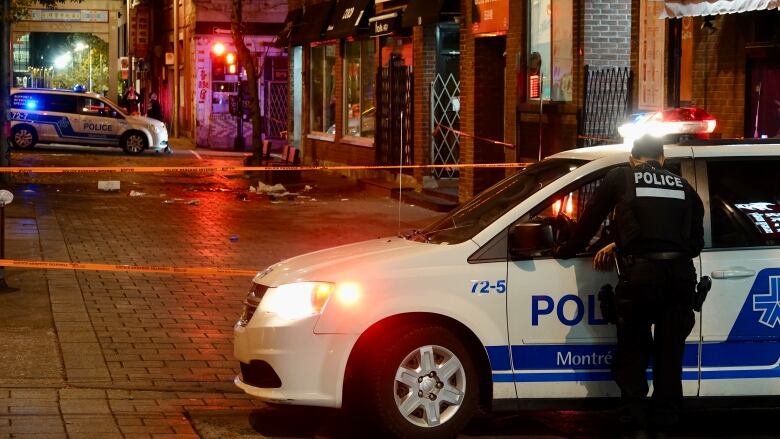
(296, 300)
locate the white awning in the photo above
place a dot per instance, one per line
(695, 8)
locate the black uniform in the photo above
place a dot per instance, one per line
(658, 230)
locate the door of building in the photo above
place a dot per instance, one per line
(445, 102)
(394, 113)
(764, 98)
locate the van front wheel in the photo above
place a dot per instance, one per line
(422, 383)
(134, 143)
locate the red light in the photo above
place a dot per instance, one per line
(348, 293)
(534, 86)
(218, 49)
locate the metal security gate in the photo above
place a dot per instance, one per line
(607, 98)
(276, 109)
(394, 115)
(445, 118)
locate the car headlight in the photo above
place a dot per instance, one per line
(296, 300)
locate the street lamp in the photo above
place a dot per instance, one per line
(79, 47)
(62, 61)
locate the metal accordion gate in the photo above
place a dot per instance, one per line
(445, 118)
(394, 115)
(607, 101)
(276, 109)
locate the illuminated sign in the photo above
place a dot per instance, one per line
(534, 86)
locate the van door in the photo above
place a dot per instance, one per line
(54, 122)
(561, 345)
(95, 121)
(741, 317)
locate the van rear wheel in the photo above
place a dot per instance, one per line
(23, 136)
(134, 143)
(421, 383)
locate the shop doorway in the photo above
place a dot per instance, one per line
(297, 96)
(445, 103)
(276, 97)
(394, 104)
(763, 120)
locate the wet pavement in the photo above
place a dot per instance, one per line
(134, 355)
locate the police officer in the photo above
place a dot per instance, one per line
(658, 230)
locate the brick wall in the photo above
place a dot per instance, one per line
(467, 59)
(719, 63)
(489, 108)
(607, 33)
(424, 42)
(514, 83)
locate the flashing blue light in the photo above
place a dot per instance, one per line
(31, 105)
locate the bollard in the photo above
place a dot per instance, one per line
(6, 197)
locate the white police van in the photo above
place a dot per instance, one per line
(64, 116)
(473, 311)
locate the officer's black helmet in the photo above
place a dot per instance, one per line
(648, 147)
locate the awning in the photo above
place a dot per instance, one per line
(384, 24)
(312, 23)
(346, 18)
(421, 12)
(290, 23)
(695, 8)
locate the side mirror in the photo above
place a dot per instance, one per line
(529, 239)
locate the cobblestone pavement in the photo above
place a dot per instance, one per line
(129, 355)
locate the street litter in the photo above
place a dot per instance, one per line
(263, 188)
(136, 194)
(234, 238)
(181, 201)
(283, 196)
(307, 188)
(108, 185)
(345, 199)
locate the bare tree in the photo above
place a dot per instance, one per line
(248, 61)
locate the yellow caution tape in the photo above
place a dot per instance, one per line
(226, 169)
(124, 268)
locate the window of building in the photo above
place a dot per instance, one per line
(550, 34)
(323, 99)
(359, 78)
(744, 202)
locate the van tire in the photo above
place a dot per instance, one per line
(23, 136)
(384, 395)
(134, 142)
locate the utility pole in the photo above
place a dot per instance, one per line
(175, 113)
(5, 84)
(127, 44)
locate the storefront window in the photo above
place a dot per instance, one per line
(323, 100)
(359, 78)
(550, 23)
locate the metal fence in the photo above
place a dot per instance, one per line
(607, 102)
(394, 115)
(445, 142)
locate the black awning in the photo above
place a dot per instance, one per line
(348, 16)
(290, 24)
(312, 23)
(384, 24)
(421, 12)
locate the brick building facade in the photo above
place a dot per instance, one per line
(492, 113)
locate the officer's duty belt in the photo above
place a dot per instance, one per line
(655, 256)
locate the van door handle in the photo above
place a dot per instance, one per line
(733, 273)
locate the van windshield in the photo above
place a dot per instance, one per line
(468, 220)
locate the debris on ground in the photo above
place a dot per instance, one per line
(233, 238)
(182, 201)
(307, 188)
(289, 196)
(263, 188)
(345, 199)
(136, 194)
(108, 185)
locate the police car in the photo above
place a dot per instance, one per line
(419, 332)
(64, 116)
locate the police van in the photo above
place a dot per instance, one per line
(73, 117)
(473, 312)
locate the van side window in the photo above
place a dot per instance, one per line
(58, 103)
(94, 107)
(25, 101)
(744, 202)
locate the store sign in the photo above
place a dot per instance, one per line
(491, 17)
(139, 31)
(383, 25)
(69, 15)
